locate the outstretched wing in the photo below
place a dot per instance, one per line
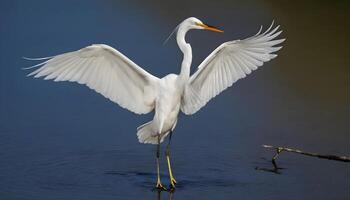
(105, 70)
(228, 63)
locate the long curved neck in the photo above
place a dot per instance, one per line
(187, 53)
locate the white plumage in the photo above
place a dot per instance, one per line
(110, 73)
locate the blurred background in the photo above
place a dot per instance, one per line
(64, 141)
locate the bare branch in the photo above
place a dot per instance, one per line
(329, 157)
(279, 150)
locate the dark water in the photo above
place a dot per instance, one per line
(63, 141)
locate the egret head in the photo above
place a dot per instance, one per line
(188, 24)
(194, 23)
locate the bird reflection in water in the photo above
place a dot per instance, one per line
(170, 195)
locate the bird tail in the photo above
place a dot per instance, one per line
(148, 135)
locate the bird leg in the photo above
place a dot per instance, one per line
(159, 185)
(167, 152)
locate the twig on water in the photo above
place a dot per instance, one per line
(279, 150)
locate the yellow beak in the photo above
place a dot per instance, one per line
(210, 28)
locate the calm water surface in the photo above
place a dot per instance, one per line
(63, 141)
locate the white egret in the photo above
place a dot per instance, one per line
(110, 73)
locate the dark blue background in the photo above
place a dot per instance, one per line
(64, 141)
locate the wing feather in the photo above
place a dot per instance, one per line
(228, 63)
(105, 70)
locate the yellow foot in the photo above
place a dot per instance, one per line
(172, 183)
(159, 186)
